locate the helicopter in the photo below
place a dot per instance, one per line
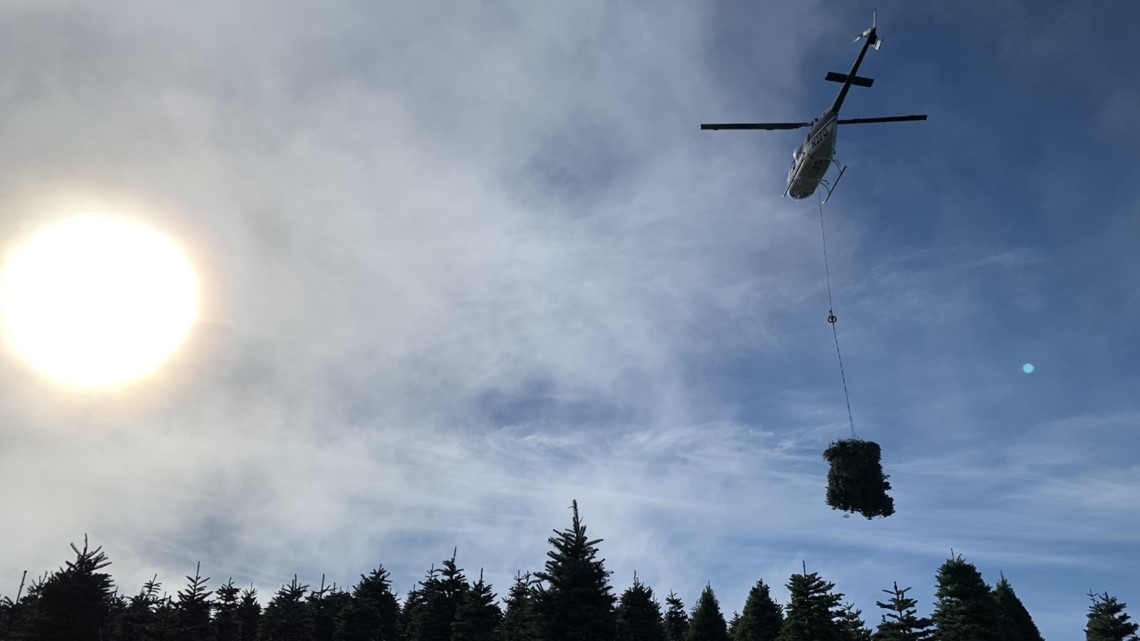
(815, 156)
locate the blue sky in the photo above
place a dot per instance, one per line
(463, 265)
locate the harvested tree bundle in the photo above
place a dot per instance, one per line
(855, 482)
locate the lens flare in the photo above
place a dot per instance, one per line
(1027, 368)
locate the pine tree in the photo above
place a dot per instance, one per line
(325, 605)
(75, 603)
(812, 610)
(478, 616)
(431, 615)
(734, 625)
(137, 617)
(901, 622)
(676, 618)
(965, 609)
(192, 610)
(1107, 620)
(1014, 622)
(373, 614)
(576, 603)
(851, 624)
(639, 615)
(226, 624)
(249, 615)
(287, 616)
(520, 621)
(762, 617)
(707, 622)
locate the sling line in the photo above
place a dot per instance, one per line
(831, 319)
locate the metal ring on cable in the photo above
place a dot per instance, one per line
(831, 318)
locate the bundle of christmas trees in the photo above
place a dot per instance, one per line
(855, 482)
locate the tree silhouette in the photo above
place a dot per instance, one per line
(576, 603)
(373, 613)
(75, 602)
(901, 621)
(192, 610)
(478, 616)
(1107, 620)
(431, 614)
(676, 618)
(812, 610)
(287, 616)
(1014, 622)
(707, 622)
(965, 609)
(520, 620)
(639, 615)
(761, 618)
(851, 624)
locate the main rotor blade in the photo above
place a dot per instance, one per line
(755, 125)
(863, 121)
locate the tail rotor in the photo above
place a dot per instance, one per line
(871, 34)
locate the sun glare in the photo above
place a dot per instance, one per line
(97, 301)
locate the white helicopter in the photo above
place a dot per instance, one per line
(816, 154)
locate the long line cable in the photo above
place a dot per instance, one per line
(831, 319)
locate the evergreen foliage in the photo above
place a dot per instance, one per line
(855, 480)
(576, 603)
(192, 610)
(520, 621)
(851, 624)
(249, 615)
(812, 610)
(639, 615)
(227, 625)
(75, 603)
(287, 616)
(676, 618)
(1107, 620)
(325, 605)
(707, 622)
(762, 617)
(965, 609)
(901, 621)
(373, 613)
(477, 618)
(1014, 622)
(430, 616)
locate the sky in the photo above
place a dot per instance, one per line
(463, 263)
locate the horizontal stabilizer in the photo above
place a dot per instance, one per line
(858, 81)
(864, 121)
(755, 125)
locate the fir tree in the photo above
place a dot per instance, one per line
(192, 610)
(249, 615)
(901, 622)
(965, 609)
(431, 615)
(676, 618)
(520, 621)
(227, 625)
(75, 603)
(1014, 622)
(762, 617)
(287, 616)
(812, 610)
(639, 615)
(325, 605)
(1107, 620)
(576, 604)
(851, 624)
(733, 625)
(478, 616)
(373, 614)
(137, 618)
(707, 622)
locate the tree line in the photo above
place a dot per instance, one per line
(571, 599)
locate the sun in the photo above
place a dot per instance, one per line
(97, 301)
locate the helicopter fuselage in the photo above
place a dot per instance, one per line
(811, 160)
